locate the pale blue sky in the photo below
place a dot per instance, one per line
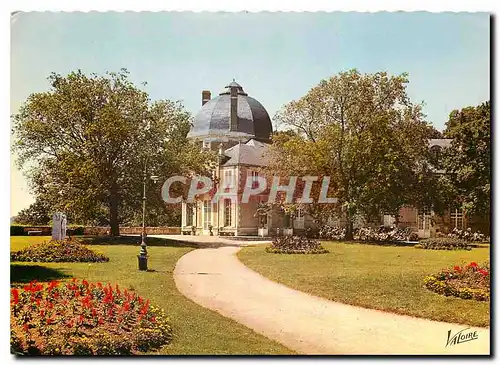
(276, 57)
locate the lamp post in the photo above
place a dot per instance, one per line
(143, 253)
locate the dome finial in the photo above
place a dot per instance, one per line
(234, 80)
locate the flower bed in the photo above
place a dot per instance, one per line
(295, 245)
(69, 250)
(468, 235)
(468, 282)
(82, 318)
(444, 244)
(369, 234)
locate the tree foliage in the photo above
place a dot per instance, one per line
(37, 214)
(86, 142)
(363, 131)
(468, 160)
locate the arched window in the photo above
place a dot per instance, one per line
(436, 153)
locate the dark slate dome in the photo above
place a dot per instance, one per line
(213, 121)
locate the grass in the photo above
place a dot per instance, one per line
(196, 330)
(388, 278)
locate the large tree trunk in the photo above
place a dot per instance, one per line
(113, 212)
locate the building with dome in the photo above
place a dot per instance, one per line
(239, 128)
(231, 117)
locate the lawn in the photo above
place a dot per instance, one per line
(196, 330)
(388, 278)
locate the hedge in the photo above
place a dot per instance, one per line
(22, 230)
(444, 244)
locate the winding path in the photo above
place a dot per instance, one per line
(216, 279)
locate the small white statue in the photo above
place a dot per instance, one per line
(59, 226)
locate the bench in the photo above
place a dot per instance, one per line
(34, 233)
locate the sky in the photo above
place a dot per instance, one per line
(276, 57)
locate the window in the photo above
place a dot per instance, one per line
(424, 217)
(255, 179)
(228, 179)
(207, 214)
(227, 212)
(189, 214)
(299, 219)
(436, 153)
(457, 219)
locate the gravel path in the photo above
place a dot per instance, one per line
(216, 279)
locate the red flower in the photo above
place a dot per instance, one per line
(99, 285)
(483, 272)
(473, 264)
(42, 313)
(94, 312)
(49, 321)
(33, 287)
(457, 268)
(100, 321)
(25, 327)
(153, 319)
(15, 295)
(144, 310)
(53, 284)
(69, 324)
(86, 302)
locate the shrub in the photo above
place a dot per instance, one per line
(413, 236)
(468, 282)
(468, 235)
(381, 234)
(295, 245)
(82, 318)
(444, 244)
(76, 230)
(332, 233)
(69, 250)
(16, 230)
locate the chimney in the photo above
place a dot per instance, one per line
(234, 109)
(205, 96)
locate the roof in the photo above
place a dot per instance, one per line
(213, 119)
(251, 153)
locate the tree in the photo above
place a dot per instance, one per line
(37, 214)
(362, 131)
(433, 133)
(468, 160)
(87, 141)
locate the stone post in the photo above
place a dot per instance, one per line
(59, 226)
